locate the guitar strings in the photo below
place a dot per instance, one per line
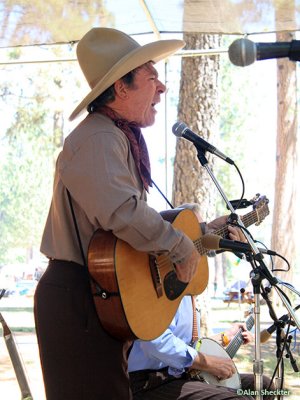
(238, 340)
(248, 219)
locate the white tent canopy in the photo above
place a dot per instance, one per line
(35, 22)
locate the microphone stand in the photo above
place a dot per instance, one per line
(279, 352)
(260, 271)
(283, 343)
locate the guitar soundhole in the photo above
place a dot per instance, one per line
(173, 287)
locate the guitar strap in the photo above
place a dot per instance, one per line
(76, 228)
(99, 290)
(195, 336)
(163, 195)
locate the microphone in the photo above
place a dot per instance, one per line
(267, 333)
(243, 52)
(211, 241)
(180, 129)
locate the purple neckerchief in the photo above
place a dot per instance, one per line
(137, 144)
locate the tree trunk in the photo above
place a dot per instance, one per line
(284, 221)
(199, 109)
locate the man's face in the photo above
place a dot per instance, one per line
(144, 95)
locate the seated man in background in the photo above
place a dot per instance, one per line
(160, 368)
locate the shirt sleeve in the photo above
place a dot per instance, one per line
(170, 349)
(101, 177)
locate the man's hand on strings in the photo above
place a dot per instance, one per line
(234, 232)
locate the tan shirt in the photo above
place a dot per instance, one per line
(97, 167)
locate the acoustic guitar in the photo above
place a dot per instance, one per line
(136, 294)
(211, 347)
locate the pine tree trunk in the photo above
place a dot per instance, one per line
(199, 109)
(284, 221)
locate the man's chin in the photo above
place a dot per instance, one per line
(148, 123)
(145, 123)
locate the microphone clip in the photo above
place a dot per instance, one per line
(238, 204)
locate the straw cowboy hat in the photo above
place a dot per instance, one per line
(105, 55)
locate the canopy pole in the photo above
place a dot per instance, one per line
(150, 19)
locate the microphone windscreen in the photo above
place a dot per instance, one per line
(264, 336)
(178, 128)
(211, 241)
(242, 52)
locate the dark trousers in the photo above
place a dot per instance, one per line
(79, 359)
(158, 385)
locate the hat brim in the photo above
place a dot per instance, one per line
(155, 52)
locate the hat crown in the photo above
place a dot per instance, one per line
(106, 54)
(100, 49)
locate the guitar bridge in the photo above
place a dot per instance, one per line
(155, 276)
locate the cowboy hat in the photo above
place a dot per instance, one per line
(105, 55)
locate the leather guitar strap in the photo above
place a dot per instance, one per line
(76, 228)
(195, 333)
(99, 289)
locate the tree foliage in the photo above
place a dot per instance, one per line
(35, 101)
(33, 98)
(27, 158)
(68, 20)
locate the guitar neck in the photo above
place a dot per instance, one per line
(238, 340)
(247, 219)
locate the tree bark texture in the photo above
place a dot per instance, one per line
(199, 109)
(287, 175)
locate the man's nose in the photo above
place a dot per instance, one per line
(161, 87)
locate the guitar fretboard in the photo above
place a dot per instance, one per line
(252, 217)
(238, 340)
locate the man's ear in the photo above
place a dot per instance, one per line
(121, 89)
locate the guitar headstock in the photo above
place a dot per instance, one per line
(249, 311)
(250, 320)
(260, 205)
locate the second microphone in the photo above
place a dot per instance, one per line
(180, 129)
